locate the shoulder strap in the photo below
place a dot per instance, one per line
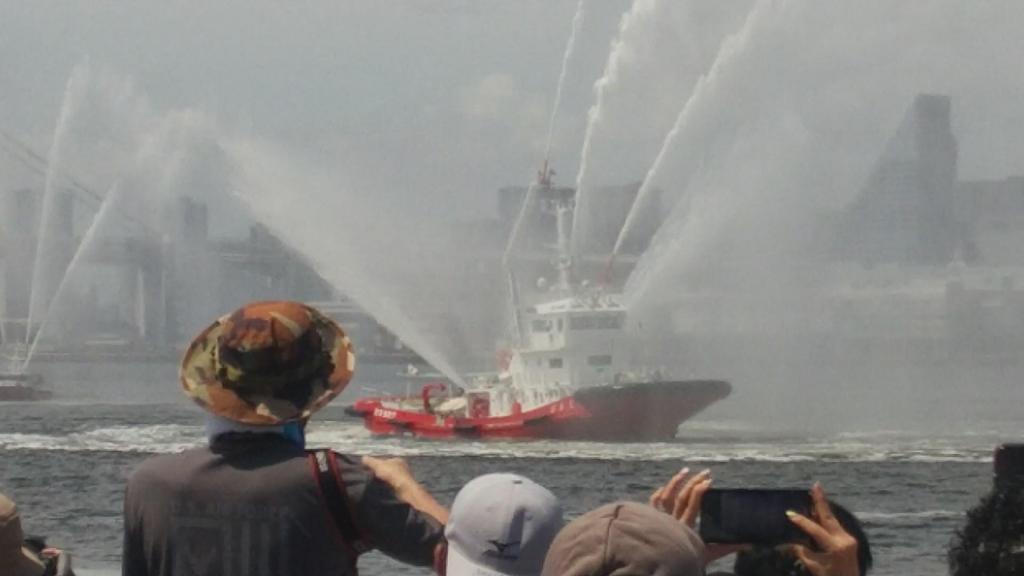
(328, 479)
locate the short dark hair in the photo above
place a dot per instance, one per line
(768, 561)
(991, 543)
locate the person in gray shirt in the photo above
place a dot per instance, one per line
(254, 501)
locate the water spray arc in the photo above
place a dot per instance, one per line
(570, 48)
(544, 174)
(617, 56)
(101, 218)
(731, 48)
(37, 302)
(646, 185)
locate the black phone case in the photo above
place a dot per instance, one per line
(753, 516)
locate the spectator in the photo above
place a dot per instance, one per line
(992, 541)
(501, 524)
(254, 501)
(21, 556)
(625, 538)
(837, 552)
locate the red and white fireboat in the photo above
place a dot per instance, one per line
(564, 379)
(565, 383)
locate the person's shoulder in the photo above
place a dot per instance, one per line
(156, 468)
(354, 475)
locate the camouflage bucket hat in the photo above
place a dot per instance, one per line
(268, 363)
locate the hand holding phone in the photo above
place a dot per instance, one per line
(753, 516)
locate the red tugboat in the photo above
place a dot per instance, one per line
(563, 380)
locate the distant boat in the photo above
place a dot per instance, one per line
(22, 387)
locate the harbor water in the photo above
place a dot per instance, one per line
(65, 463)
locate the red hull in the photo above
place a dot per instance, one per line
(628, 412)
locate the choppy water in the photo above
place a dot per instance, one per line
(66, 461)
(65, 464)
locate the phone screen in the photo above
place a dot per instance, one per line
(753, 516)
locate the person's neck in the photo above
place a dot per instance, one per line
(218, 426)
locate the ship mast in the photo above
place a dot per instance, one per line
(563, 205)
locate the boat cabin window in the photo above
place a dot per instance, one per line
(600, 360)
(554, 363)
(540, 325)
(607, 322)
(582, 323)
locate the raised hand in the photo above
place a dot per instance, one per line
(681, 497)
(838, 555)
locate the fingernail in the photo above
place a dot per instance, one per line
(791, 514)
(684, 470)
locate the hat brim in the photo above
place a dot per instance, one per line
(201, 383)
(26, 564)
(459, 565)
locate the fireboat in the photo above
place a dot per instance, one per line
(562, 380)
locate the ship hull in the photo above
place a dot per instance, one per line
(22, 387)
(634, 412)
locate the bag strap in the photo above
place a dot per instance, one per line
(328, 479)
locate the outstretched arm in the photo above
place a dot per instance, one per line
(395, 472)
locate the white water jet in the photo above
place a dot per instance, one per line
(337, 239)
(524, 210)
(45, 243)
(661, 49)
(778, 134)
(731, 46)
(570, 47)
(94, 142)
(100, 221)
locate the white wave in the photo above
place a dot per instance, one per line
(900, 517)
(157, 438)
(353, 438)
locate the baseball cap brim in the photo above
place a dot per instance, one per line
(459, 565)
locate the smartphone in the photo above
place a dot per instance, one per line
(1008, 462)
(753, 516)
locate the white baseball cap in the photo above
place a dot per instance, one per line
(501, 525)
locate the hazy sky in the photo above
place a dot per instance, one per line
(451, 95)
(448, 99)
